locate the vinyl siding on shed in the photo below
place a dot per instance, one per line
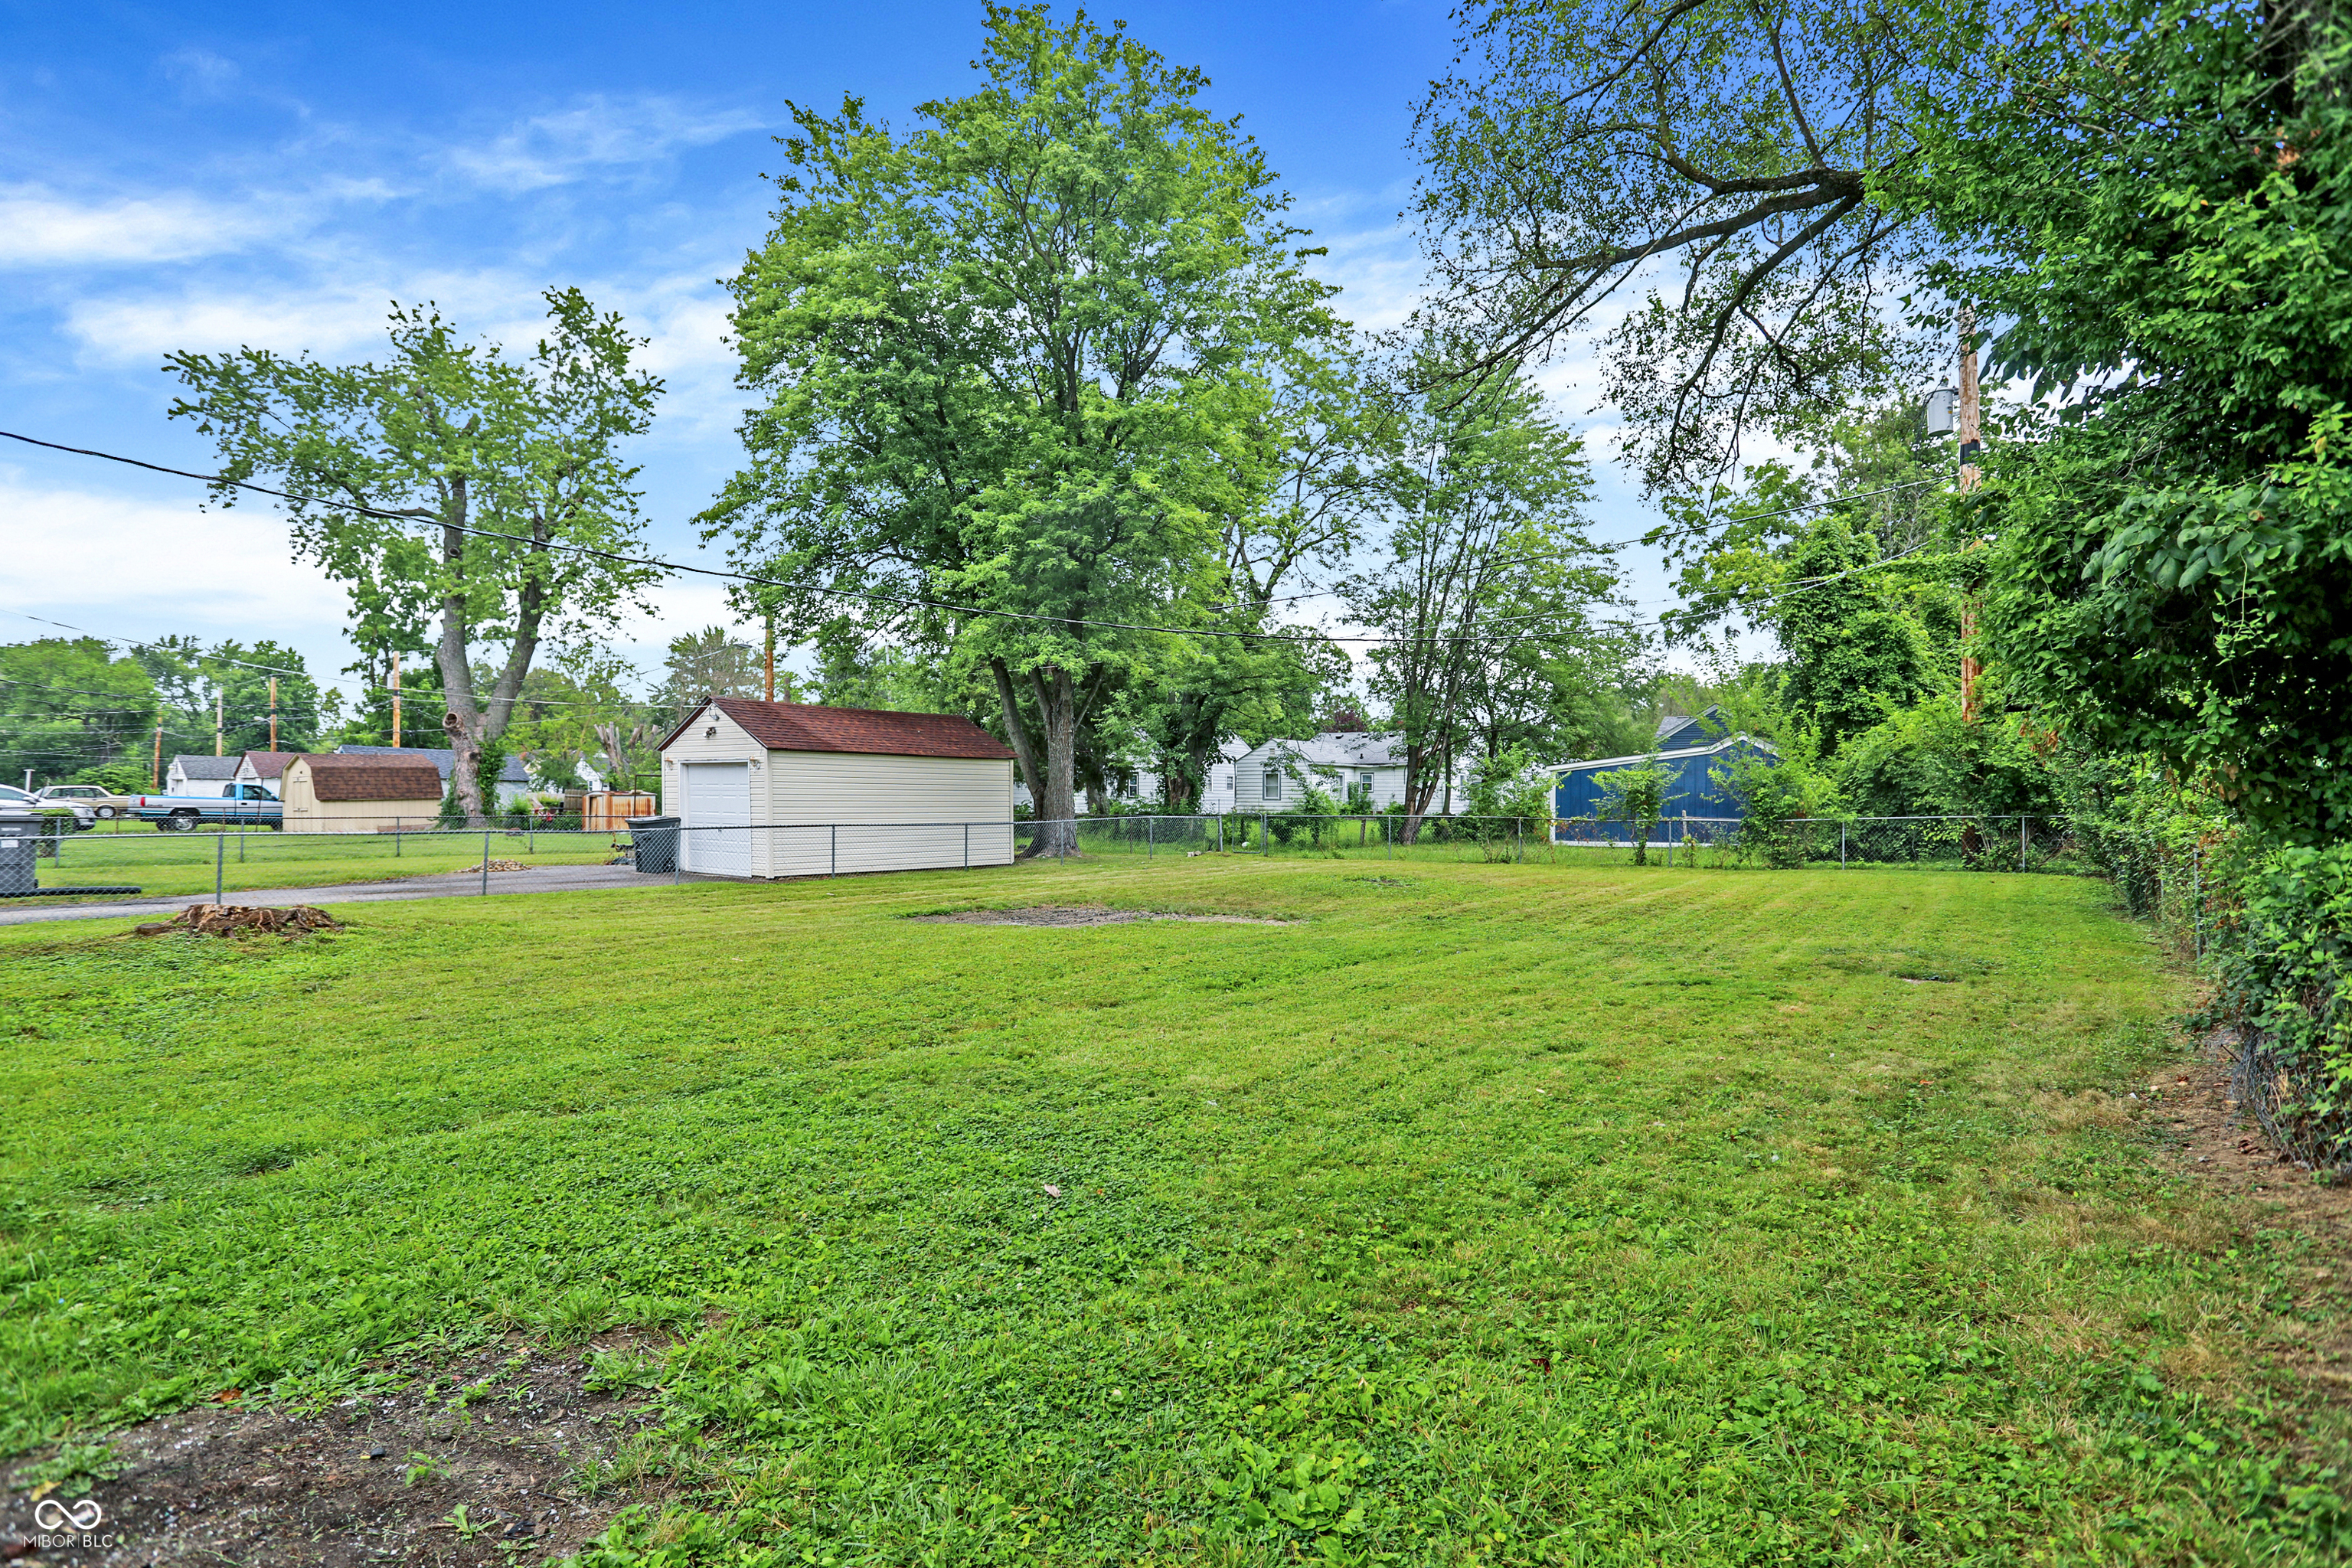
(898, 813)
(304, 812)
(895, 813)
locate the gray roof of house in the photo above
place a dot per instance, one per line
(1338, 749)
(192, 766)
(1674, 721)
(442, 757)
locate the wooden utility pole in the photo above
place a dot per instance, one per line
(155, 775)
(217, 721)
(1969, 429)
(395, 699)
(273, 712)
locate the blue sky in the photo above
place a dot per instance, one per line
(205, 176)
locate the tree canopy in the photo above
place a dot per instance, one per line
(999, 355)
(488, 484)
(1703, 178)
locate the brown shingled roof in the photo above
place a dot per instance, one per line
(338, 777)
(270, 764)
(804, 727)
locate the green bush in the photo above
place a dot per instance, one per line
(2281, 965)
(1779, 795)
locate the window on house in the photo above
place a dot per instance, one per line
(1273, 781)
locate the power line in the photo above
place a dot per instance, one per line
(416, 518)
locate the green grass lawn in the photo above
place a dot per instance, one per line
(1493, 1213)
(173, 865)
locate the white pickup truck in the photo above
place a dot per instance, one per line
(245, 805)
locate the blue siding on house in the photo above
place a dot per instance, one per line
(1693, 790)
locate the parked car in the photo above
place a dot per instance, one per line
(15, 799)
(103, 802)
(248, 805)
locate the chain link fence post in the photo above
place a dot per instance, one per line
(220, 863)
(486, 862)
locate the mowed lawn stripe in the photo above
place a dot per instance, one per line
(1513, 1213)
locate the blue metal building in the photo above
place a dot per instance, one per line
(1693, 790)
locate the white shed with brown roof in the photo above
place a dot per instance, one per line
(326, 792)
(786, 789)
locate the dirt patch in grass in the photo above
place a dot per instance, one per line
(479, 1458)
(2193, 1103)
(2223, 1143)
(1086, 915)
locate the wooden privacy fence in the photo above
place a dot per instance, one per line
(610, 812)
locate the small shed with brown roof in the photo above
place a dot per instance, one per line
(788, 789)
(329, 793)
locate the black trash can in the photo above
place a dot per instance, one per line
(657, 841)
(20, 841)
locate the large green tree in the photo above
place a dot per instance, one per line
(1701, 179)
(445, 438)
(2173, 571)
(996, 352)
(260, 684)
(68, 704)
(1486, 566)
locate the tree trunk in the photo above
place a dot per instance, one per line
(1057, 706)
(1417, 793)
(1024, 751)
(462, 716)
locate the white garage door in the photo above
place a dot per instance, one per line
(718, 795)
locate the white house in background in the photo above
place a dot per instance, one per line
(193, 775)
(514, 780)
(266, 769)
(1216, 790)
(1362, 771)
(786, 789)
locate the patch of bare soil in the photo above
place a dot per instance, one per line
(476, 1460)
(2227, 1147)
(1086, 915)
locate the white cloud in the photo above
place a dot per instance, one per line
(598, 134)
(168, 567)
(39, 227)
(174, 568)
(327, 321)
(201, 73)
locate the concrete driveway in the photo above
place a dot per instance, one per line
(445, 885)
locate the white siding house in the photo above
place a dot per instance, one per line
(193, 774)
(783, 789)
(1362, 771)
(266, 769)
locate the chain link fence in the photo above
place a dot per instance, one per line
(529, 855)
